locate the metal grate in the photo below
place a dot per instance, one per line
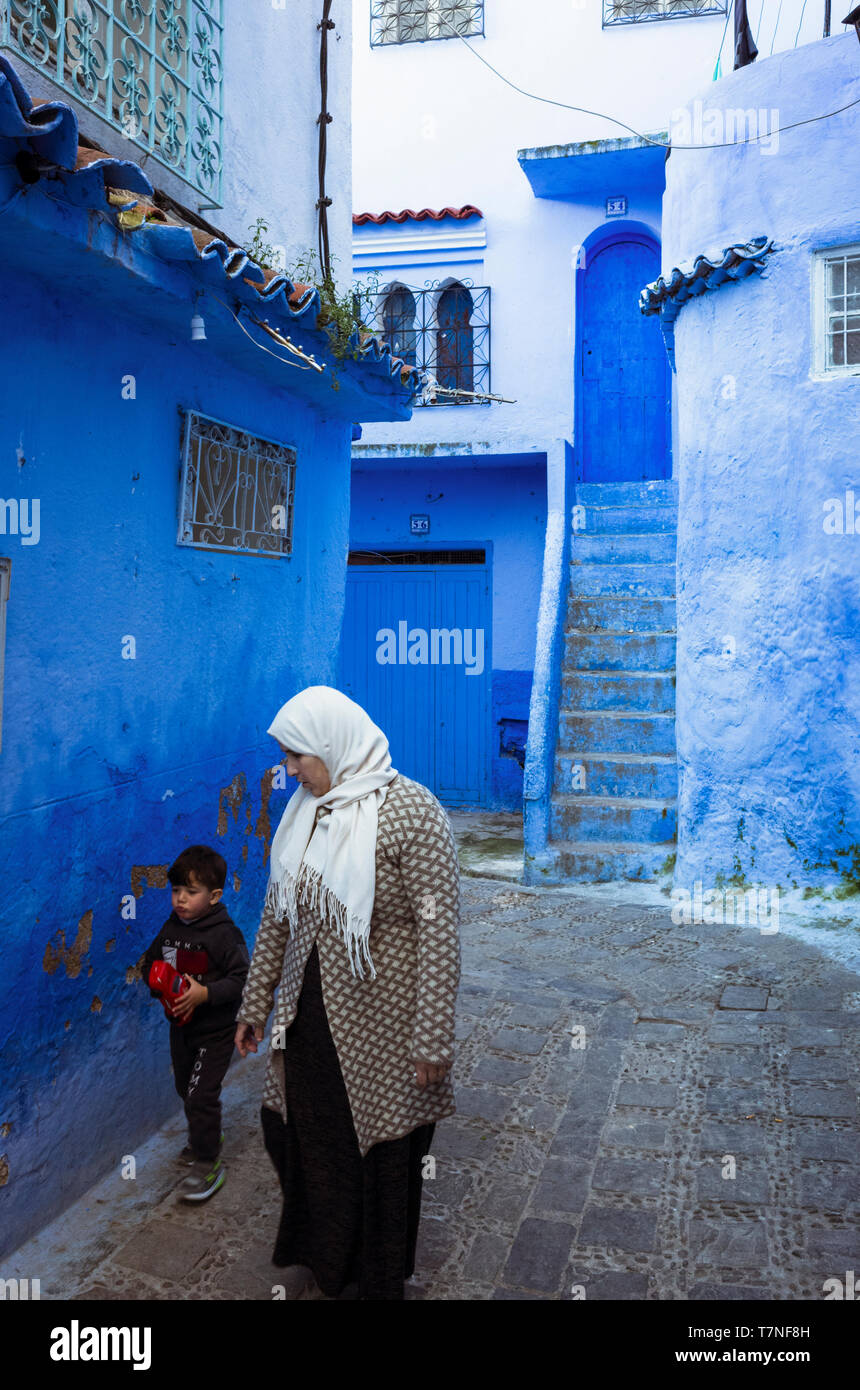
(417, 557)
(416, 21)
(444, 329)
(843, 309)
(151, 68)
(641, 11)
(236, 491)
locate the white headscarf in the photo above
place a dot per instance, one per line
(332, 865)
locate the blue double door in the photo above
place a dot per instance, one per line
(624, 378)
(415, 653)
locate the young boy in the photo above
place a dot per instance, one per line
(200, 940)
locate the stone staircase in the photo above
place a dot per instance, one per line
(613, 811)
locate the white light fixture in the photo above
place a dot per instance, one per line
(198, 325)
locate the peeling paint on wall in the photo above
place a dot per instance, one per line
(4, 1170)
(5, 1129)
(110, 945)
(135, 972)
(237, 883)
(155, 876)
(263, 828)
(72, 956)
(231, 797)
(96, 1005)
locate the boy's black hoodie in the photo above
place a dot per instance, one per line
(212, 951)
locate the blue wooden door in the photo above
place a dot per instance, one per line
(433, 712)
(624, 381)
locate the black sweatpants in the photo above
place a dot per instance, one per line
(199, 1067)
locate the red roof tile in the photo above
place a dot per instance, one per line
(360, 218)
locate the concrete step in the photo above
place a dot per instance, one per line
(621, 820)
(648, 581)
(617, 774)
(586, 651)
(615, 731)
(649, 548)
(624, 520)
(631, 690)
(661, 492)
(613, 613)
(602, 862)
(643, 581)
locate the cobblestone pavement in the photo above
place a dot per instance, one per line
(645, 1111)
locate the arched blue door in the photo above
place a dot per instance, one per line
(624, 377)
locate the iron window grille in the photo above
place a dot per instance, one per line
(150, 68)
(236, 490)
(642, 11)
(444, 330)
(416, 21)
(838, 315)
(417, 557)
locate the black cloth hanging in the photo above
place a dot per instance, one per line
(352, 1220)
(745, 49)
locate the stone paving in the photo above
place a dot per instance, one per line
(645, 1111)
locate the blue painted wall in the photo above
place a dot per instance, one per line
(107, 764)
(502, 508)
(768, 709)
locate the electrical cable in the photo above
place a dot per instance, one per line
(660, 144)
(775, 28)
(722, 41)
(324, 120)
(800, 22)
(286, 361)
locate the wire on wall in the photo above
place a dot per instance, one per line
(324, 121)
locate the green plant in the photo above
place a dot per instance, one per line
(263, 252)
(343, 310)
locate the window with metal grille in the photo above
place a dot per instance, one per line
(236, 490)
(417, 557)
(151, 68)
(641, 11)
(442, 329)
(415, 21)
(837, 336)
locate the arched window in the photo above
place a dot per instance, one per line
(398, 324)
(455, 347)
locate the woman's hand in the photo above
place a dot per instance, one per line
(247, 1037)
(429, 1073)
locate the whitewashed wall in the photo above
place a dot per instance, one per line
(433, 127)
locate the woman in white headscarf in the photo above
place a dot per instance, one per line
(361, 932)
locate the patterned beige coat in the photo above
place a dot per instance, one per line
(408, 1011)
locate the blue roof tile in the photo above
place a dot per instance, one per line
(90, 179)
(668, 295)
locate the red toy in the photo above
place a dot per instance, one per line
(170, 985)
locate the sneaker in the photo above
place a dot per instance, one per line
(188, 1156)
(206, 1176)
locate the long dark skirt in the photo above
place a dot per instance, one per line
(352, 1220)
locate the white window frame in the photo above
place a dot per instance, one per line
(821, 369)
(5, 577)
